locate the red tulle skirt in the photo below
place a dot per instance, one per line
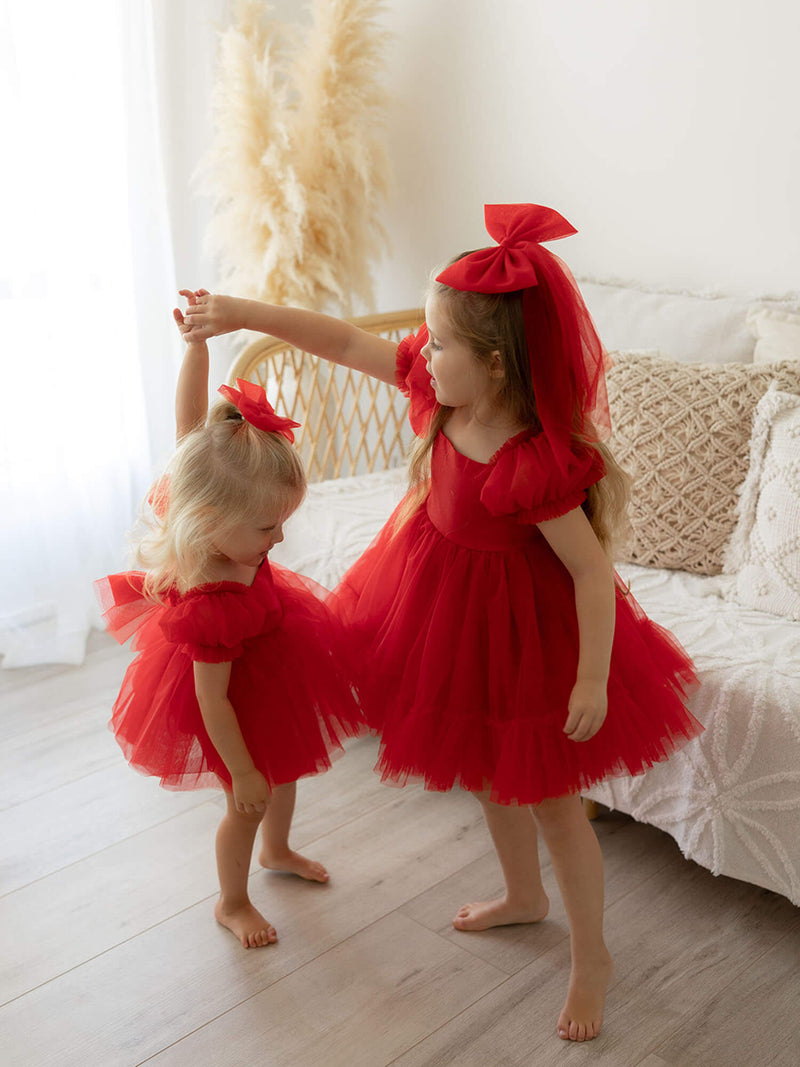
(469, 658)
(290, 685)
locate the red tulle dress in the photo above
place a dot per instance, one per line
(290, 683)
(465, 619)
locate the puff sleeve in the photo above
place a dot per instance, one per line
(211, 625)
(526, 481)
(123, 603)
(414, 381)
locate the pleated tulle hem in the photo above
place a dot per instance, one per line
(528, 759)
(201, 771)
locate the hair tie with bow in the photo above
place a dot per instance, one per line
(566, 357)
(251, 400)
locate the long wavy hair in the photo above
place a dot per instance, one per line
(225, 473)
(493, 322)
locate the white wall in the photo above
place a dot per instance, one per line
(667, 131)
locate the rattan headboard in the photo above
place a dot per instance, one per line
(350, 423)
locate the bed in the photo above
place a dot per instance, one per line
(730, 799)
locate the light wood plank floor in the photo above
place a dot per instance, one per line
(109, 954)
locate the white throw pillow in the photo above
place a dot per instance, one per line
(777, 334)
(764, 551)
(687, 327)
(690, 327)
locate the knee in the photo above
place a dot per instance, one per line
(244, 818)
(558, 815)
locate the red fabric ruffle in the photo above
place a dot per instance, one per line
(291, 680)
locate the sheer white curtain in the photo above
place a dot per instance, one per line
(86, 281)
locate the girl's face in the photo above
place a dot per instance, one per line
(458, 377)
(248, 543)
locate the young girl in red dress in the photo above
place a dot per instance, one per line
(504, 657)
(240, 680)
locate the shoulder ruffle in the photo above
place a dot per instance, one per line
(414, 381)
(527, 481)
(123, 603)
(212, 622)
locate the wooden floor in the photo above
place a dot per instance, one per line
(110, 955)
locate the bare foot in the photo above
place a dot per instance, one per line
(485, 914)
(582, 1014)
(294, 863)
(246, 923)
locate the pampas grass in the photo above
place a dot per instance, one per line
(296, 170)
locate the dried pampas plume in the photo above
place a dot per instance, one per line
(296, 170)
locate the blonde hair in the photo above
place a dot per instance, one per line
(493, 322)
(222, 474)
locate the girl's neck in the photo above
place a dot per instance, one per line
(225, 570)
(478, 434)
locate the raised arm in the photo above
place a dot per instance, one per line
(191, 392)
(574, 542)
(323, 335)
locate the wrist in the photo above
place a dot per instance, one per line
(242, 771)
(246, 313)
(255, 315)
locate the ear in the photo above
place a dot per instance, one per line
(496, 366)
(208, 520)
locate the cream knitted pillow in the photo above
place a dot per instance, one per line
(682, 431)
(764, 551)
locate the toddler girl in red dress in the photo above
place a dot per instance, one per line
(241, 678)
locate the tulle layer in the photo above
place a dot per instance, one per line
(291, 688)
(469, 657)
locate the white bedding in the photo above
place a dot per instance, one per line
(731, 799)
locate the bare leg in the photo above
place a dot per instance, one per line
(513, 831)
(233, 910)
(578, 865)
(275, 852)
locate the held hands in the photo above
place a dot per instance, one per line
(183, 326)
(209, 315)
(588, 704)
(250, 792)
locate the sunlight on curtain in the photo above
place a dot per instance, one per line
(75, 265)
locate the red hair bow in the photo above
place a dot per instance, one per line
(251, 400)
(566, 357)
(518, 229)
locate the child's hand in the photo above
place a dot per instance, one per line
(250, 792)
(177, 314)
(588, 704)
(210, 315)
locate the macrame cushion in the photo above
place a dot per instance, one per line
(764, 551)
(682, 431)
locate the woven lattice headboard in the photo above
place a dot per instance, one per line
(350, 423)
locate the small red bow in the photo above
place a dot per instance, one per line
(519, 229)
(251, 400)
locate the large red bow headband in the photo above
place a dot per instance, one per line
(251, 400)
(565, 354)
(519, 229)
